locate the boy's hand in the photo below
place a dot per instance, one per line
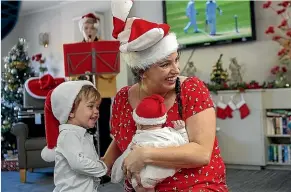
(179, 124)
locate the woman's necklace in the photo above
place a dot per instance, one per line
(141, 89)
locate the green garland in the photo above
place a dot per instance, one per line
(213, 87)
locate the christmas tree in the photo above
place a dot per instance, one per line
(16, 71)
(218, 76)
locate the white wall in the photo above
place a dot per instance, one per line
(257, 57)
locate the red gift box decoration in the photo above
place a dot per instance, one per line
(98, 57)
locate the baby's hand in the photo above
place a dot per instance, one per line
(179, 124)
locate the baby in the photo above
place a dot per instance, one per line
(75, 105)
(149, 116)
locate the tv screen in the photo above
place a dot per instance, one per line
(205, 22)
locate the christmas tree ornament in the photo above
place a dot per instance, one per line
(243, 108)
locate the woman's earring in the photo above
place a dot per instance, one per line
(72, 115)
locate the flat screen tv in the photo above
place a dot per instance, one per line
(204, 23)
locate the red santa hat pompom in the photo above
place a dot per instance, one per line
(89, 18)
(142, 42)
(58, 106)
(150, 111)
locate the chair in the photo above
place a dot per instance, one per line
(30, 146)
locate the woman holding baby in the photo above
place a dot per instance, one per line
(152, 56)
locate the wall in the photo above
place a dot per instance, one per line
(59, 23)
(256, 57)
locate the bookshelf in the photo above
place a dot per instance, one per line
(278, 138)
(245, 143)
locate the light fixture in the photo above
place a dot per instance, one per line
(44, 39)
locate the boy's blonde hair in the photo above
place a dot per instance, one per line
(87, 92)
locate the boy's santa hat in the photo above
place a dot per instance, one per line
(143, 43)
(150, 111)
(58, 106)
(90, 17)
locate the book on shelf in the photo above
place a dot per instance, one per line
(280, 153)
(277, 122)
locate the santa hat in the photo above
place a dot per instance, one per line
(58, 106)
(142, 42)
(150, 111)
(89, 17)
(39, 87)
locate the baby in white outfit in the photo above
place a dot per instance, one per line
(149, 116)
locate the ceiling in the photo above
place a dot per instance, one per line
(29, 7)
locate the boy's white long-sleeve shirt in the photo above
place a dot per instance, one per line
(77, 164)
(151, 175)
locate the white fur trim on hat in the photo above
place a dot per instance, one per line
(84, 20)
(148, 121)
(157, 52)
(27, 88)
(144, 41)
(120, 9)
(47, 154)
(63, 96)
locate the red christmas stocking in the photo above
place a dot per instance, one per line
(230, 108)
(220, 110)
(243, 108)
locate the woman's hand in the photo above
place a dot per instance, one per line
(134, 162)
(107, 165)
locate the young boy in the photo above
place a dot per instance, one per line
(149, 116)
(74, 104)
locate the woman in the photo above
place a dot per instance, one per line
(88, 25)
(153, 57)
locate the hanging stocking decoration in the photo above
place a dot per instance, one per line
(220, 109)
(230, 108)
(243, 108)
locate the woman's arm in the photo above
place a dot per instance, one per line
(112, 153)
(201, 132)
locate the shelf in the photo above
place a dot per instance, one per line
(274, 163)
(283, 136)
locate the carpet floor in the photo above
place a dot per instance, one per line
(237, 180)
